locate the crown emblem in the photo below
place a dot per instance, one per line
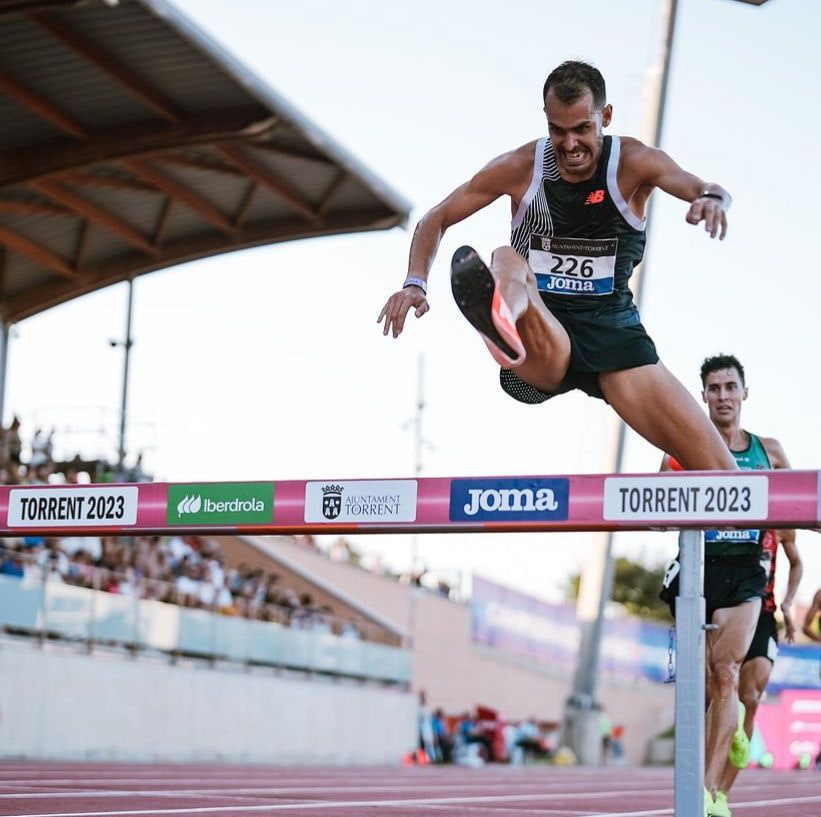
(331, 489)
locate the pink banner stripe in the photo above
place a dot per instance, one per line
(749, 499)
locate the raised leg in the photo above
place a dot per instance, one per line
(503, 304)
(655, 404)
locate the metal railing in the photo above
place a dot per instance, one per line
(42, 605)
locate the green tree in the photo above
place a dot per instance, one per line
(634, 586)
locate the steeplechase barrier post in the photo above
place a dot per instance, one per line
(689, 708)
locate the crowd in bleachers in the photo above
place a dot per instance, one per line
(472, 739)
(188, 571)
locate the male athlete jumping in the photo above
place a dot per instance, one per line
(555, 308)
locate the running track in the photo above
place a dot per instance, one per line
(225, 790)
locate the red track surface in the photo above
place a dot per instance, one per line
(226, 790)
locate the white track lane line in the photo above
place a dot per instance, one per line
(344, 804)
(440, 802)
(284, 790)
(541, 812)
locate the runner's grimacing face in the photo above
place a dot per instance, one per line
(576, 133)
(724, 393)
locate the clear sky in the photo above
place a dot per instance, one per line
(269, 364)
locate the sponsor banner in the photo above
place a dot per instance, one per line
(680, 498)
(550, 633)
(788, 727)
(73, 507)
(221, 503)
(381, 500)
(508, 500)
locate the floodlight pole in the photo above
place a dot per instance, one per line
(126, 344)
(4, 352)
(4, 337)
(581, 718)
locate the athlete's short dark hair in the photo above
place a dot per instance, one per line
(572, 78)
(719, 362)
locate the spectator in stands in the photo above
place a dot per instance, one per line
(606, 733)
(188, 584)
(427, 738)
(350, 629)
(469, 732)
(303, 616)
(42, 447)
(53, 561)
(12, 562)
(443, 738)
(528, 741)
(39, 474)
(14, 445)
(81, 569)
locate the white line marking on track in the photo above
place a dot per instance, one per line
(289, 790)
(340, 804)
(786, 801)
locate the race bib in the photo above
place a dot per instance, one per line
(573, 266)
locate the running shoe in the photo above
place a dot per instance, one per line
(708, 803)
(480, 301)
(739, 754)
(720, 807)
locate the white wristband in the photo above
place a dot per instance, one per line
(416, 282)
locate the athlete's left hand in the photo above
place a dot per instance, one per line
(789, 625)
(711, 211)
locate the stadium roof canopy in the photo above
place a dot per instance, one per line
(130, 142)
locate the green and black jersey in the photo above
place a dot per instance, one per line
(719, 543)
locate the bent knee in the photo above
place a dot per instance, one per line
(750, 698)
(723, 679)
(507, 259)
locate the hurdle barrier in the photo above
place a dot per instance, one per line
(690, 502)
(604, 502)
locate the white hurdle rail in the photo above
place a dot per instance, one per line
(687, 501)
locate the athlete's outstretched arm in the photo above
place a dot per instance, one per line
(709, 202)
(787, 539)
(498, 177)
(811, 614)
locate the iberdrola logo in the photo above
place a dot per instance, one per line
(189, 504)
(231, 504)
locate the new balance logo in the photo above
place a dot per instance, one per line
(596, 197)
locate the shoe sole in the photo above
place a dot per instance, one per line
(480, 301)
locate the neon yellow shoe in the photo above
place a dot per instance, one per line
(708, 803)
(739, 754)
(721, 807)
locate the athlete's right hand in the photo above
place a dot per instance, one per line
(397, 307)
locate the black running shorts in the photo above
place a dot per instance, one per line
(765, 639)
(728, 582)
(598, 343)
